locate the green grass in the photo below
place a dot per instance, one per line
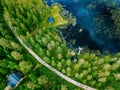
(90, 69)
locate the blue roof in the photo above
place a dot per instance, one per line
(13, 80)
(50, 19)
(73, 58)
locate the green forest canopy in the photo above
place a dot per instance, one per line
(29, 20)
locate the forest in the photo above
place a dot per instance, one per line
(28, 20)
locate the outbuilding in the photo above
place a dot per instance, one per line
(14, 80)
(51, 20)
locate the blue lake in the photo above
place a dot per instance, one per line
(85, 20)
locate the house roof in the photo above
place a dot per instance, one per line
(50, 19)
(13, 79)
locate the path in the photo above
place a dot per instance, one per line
(85, 87)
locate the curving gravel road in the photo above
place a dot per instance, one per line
(85, 87)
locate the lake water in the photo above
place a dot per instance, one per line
(85, 20)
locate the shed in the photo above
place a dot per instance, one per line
(14, 79)
(51, 20)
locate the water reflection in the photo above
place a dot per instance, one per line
(89, 14)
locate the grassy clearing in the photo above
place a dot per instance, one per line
(55, 13)
(59, 20)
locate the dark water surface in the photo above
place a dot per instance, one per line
(85, 20)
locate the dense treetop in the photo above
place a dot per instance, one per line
(29, 21)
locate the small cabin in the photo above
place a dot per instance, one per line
(74, 59)
(51, 20)
(14, 79)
